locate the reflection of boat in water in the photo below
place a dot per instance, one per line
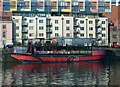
(44, 67)
(55, 73)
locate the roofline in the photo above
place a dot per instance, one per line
(86, 13)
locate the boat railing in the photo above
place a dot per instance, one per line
(79, 50)
(64, 52)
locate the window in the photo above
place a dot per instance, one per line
(40, 21)
(56, 34)
(90, 28)
(103, 35)
(16, 20)
(81, 28)
(90, 35)
(5, 13)
(4, 26)
(103, 28)
(17, 27)
(67, 28)
(41, 34)
(56, 28)
(31, 34)
(114, 36)
(31, 27)
(67, 21)
(4, 34)
(31, 21)
(56, 21)
(82, 22)
(41, 28)
(103, 22)
(17, 34)
(82, 35)
(67, 35)
(90, 22)
(114, 29)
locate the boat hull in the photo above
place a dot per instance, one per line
(55, 57)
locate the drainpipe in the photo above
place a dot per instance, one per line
(62, 32)
(62, 27)
(86, 28)
(36, 28)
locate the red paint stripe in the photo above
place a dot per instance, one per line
(30, 58)
(20, 57)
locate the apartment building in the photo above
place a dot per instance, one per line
(60, 26)
(1, 9)
(60, 5)
(115, 2)
(41, 27)
(5, 33)
(114, 25)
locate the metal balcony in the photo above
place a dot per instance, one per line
(99, 31)
(25, 31)
(24, 37)
(99, 38)
(49, 24)
(48, 18)
(76, 32)
(98, 25)
(49, 31)
(76, 25)
(97, 20)
(23, 18)
(24, 24)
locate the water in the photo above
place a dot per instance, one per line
(61, 74)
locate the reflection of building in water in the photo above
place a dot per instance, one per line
(7, 77)
(114, 74)
(1, 74)
(57, 74)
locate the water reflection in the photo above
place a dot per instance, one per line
(83, 73)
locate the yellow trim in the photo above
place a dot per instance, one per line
(66, 10)
(6, 11)
(14, 9)
(68, 0)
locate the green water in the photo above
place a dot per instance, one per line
(95, 74)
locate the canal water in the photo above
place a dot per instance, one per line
(82, 74)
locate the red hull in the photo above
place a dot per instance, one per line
(55, 59)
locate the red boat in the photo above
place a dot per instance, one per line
(59, 56)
